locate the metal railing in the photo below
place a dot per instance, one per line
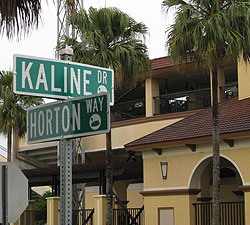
(132, 216)
(228, 91)
(128, 110)
(83, 216)
(183, 101)
(231, 213)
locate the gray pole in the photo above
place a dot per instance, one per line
(66, 182)
(5, 194)
(65, 152)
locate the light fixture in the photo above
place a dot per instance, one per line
(164, 170)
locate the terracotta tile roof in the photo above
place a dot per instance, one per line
(163, 62)
(234, 116)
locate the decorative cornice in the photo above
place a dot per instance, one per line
(170, 192)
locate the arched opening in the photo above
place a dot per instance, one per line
(230, 179)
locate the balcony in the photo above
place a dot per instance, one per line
(171, 103)
(183, 101)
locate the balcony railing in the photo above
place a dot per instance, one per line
(128, 110)
(231, 213)
(131, 216)
(83, 216)
(183, 101)
(228, 91)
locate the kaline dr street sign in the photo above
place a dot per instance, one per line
(77, 117)
(60, 79)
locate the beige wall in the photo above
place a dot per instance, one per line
(2, 159)
(182, 164)
(243, 78)
(134, 198)
(125, 134)
(183, 214)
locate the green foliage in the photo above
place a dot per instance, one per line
(13, 107)
(209, 30)
(110, 38)
(41, 206)
(17, 16)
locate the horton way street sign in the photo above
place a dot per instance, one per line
(77, 117)
(60, 79)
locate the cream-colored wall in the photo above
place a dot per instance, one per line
(179, 170)
(2, 159)
(183, 214)
(221, 82)
(152, 90)
(181, 164)
(125, 134)
(134, 198)
(243, 78)
(181, 167)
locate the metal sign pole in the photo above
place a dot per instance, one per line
(66, 182)
(5, 194)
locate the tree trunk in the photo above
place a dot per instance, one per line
(9, 137)
(109, 178)
(216, 151)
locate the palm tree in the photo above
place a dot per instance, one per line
(17, 16)
(210, 31)
(13, 109)
(111, 39)
(20, 16)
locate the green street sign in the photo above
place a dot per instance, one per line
(76, 117)
(60, 79)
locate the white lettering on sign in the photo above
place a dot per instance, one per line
(76, 117)
(65, 80)
(33, 125)
(56, 109)
(92, 106)
(41, 123)
(102, 77)
(76, 81)
(53, 88)
(41, 79)
(85, 82)
(51, 79)
(26, 74)
(65, 128)
(48, 121)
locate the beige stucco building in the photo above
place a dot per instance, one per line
(165, 119)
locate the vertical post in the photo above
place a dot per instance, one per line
(66, 182)
(109, 178)
(65, 154)
(5, 194)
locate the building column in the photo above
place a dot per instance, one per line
(52, 210)
(243, 78)
(221, 83)
(152, 90)
(100, 209)
(247, 204)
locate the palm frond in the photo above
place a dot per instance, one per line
(17, 16)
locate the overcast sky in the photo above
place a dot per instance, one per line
(42, 42)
